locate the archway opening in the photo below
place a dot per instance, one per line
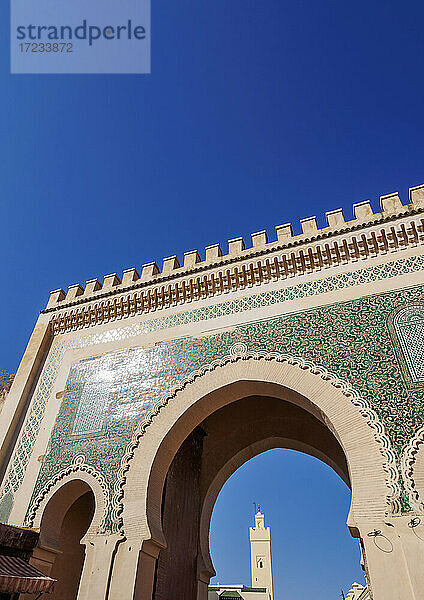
(68, 565)
(66, 519)
(306, 505)
(215, 449)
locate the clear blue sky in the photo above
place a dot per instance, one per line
(255, 114)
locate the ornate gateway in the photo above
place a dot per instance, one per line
(121, 381)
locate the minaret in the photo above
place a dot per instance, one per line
(260, 552)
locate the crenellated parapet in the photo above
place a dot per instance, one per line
(395, 227)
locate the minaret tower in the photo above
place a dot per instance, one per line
(260, 552)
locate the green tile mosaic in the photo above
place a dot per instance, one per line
(350, 339)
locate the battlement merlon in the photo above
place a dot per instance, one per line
(391, 209)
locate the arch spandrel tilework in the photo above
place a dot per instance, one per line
(408, 325)
(349, 339)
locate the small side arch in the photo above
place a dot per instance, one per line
(79, 471)
(68, 514)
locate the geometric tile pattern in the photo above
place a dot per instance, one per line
(409, 327)
(107, 396)
(90, 415)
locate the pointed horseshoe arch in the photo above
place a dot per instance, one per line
(372, 470)
(79, 470)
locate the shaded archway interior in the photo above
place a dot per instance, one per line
(59, 554)
(212, 452)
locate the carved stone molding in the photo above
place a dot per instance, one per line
(408, 461)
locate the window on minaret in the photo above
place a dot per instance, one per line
(409, 328)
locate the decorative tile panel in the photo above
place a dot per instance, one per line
(409, 327)
(106, 397)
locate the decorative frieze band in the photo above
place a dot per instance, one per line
(119, 303)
